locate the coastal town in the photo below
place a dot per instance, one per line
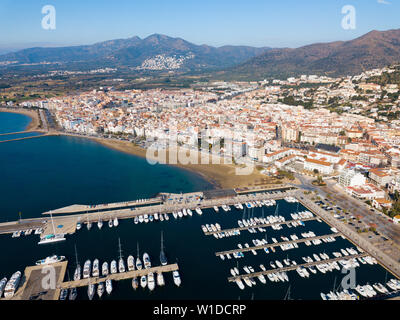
(289, 126)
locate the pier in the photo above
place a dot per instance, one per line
(66, 224)
(277, 244)
(293, 267)
(26, 138)
(266, 225)
(119, 276)
(36, 281)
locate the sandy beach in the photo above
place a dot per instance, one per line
(34, 124)
(220, 175)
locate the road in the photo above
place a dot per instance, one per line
(355, 207)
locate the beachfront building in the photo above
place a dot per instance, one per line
(367, 191)
(321, 166)
(351, 178)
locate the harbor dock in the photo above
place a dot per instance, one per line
(266, 225)
(119, 276)
(277, 244)
(293, 267)
(37, 281)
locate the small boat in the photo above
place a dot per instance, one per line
(199, 212)
(216, 209)
(89, 225)
(109, 286)
(143, 281)
(95, 271)
(86, 269)
(100, 224)
(116, 223)
(121, 263)
(3, 283)
(100, 289)
(177, 278)
(91, 290)
(135, 283)
(78, 226)
(110, 223)
(131, 263)
(160, 279)
(150, 281)
(240, 284)
(113, 267)
(146, 260)
(136, 220)
(139, 265)
(12, 285)
(104, 269)
(50, 260)
(63, 294)
(73, 293)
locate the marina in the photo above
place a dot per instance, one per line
(303, 256)
(204, 275)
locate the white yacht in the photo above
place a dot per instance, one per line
(91, 290)
(139, 265)
(12, 285)
(150, 281)
(143, 281)
(199, 211)
(177, 278)
(96, 270)
(100, 289)
(109, 286)
(131, 263)
(121, 262)
(113, 267)
(50, 260)
(104, 269)
(3, 283)
(240, 284)
(116, 223)
(146, 260)
(86, 269)
(160, 279)
(216, 209)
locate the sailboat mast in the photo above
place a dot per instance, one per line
(120, 251)
(76, 256)
(162, 242)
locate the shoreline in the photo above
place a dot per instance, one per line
(33, 115)
(221, 176)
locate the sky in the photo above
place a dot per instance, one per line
(272, 23)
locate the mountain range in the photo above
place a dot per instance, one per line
(373, 50)
(133, 52)
(159, 52)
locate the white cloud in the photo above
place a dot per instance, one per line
(383, 2)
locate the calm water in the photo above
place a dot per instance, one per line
(41, 174)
